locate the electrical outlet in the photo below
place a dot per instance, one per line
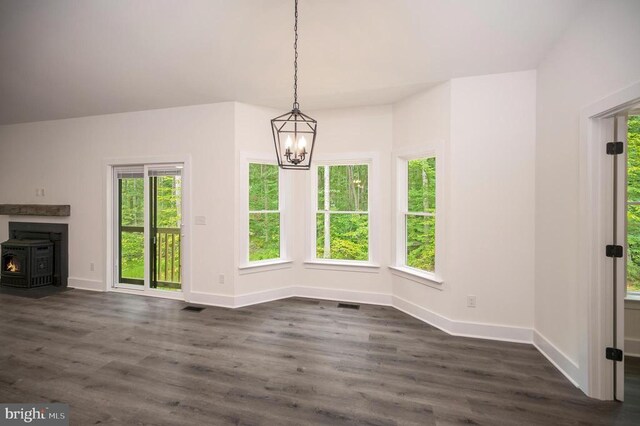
(42, 192)
(471, 301)
(221, 278)
(37, 192)
(92, 267)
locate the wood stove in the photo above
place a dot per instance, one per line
(27, 263)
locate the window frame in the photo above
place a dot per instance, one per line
(399, 267)
(365, 158)
(284, 194)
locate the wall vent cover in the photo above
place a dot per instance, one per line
(348, 306)
(193, 308)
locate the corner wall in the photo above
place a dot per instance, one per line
(253, 134)
(597, 56)
(485, 127)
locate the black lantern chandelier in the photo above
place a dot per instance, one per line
(294, 133)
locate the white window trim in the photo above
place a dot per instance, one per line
(313, 262)
(265, 265)
(284, 202)
(400, 268)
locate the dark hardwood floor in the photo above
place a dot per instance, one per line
(120, 359)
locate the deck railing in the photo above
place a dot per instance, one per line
(167, 256)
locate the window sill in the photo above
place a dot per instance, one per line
(418, 276)
(342, 265)
(264, 266)
(632, 301)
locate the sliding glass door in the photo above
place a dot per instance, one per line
(165, 227)
(148, 235)
(130, 230)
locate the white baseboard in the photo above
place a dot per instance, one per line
(85, 284)
(464, 328)
(425, 315)
(343, 295)
(160, 294)
(211, 299)
(632, 347)
(562, 362)
(249, 299)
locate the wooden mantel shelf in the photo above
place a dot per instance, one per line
(35, 210)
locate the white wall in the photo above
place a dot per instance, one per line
(492, 197)
(340, 131)
(66, 158)
(424, 121)
(598, 55)
(488, 137)
(253, 134)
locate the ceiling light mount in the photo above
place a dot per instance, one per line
(294, 133)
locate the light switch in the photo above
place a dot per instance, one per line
(201, 220)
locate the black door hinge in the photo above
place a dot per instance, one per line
(614, 354)
(614, 251)
(615, 148)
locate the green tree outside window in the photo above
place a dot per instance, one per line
(264, 213)
(420, 218)
(342, 219)
(633, 204)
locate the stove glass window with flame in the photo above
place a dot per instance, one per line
(12, 264)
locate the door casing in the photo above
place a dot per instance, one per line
(595, 295)
(110, 223)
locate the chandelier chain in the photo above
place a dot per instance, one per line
(295, 60)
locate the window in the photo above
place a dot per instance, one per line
(417, 227)
(633, 205)
(342, 215)
(420, 214)
(263, 202)
(264, 213)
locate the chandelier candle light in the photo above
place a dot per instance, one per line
(294, 133)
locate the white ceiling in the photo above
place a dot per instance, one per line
(71, 58)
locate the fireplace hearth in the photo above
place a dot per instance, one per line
(27, 263)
